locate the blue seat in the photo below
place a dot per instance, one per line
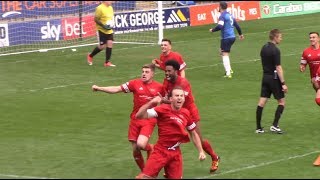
(185, 3)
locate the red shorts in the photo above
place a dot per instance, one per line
(170, 160)
(141, 127)
(194, 112)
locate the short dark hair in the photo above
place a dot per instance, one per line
(150, 66)
(174, 88)
(273, 33)
(223, 5)
(165, 39)
(174, 64)
(314, 33)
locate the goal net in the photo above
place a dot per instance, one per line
(31, 26)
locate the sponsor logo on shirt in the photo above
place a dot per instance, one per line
(177, 119)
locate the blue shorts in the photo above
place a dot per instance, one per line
(226, 44)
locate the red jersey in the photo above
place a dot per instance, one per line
(172, 125)
(318, 76)
(172, 55)
(142, 93)
(184, 84)
(311, 57)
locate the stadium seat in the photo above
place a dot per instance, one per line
(185, 3)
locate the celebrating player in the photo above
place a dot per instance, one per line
(168, 54)
(225, 24)
(318, 82)
(172, 79)
(311, 57)
(172, 121)
(143, 89)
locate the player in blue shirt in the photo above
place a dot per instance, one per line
(228, 37)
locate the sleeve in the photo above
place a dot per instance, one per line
(164, 88)
(186, 87)
(155, 112)
(128, 86)
(318, 74)
(236, 25)
(98, 12)
(277, 57)
(221, 21)
(219, 25)
(181, 61)
(191, 125)
(161, 63)
(152, 113)
(162, 66)
(303, 58)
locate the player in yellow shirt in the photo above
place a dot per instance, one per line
(103, 14)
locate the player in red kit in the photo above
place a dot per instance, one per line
(172, 79)
(168, 54)
(311, 57)
(172, 121)
(143, 89)
(317, 79)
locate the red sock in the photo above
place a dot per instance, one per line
(139, 159)
(208, 149)
(318, 101)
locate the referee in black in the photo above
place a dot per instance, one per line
(272, 81)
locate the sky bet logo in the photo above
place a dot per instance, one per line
(176, 17)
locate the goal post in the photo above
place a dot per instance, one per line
(33, 26)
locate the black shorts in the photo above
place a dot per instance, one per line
(225, 44)
(103, 38)
(270, 86)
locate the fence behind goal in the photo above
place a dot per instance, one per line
(30, 26)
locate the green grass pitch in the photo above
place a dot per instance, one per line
(54, 126)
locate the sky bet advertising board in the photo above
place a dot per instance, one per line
(29, 9)
(69, 28)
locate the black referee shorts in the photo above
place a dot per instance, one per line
(270, 86)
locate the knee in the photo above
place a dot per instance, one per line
(141, 145)
(101, 47)
(317, 101)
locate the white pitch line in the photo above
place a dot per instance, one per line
(76, 84)
(25, 177)
(200, 39)
(196, 67)
(258, 165)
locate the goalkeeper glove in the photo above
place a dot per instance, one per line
(107, 27)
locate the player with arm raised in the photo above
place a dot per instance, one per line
(226, 24)
(143, 89)
(311, 57)
(167, 54)
(172, 121)
(171, 80)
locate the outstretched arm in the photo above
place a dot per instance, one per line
(143, 111)
(156, 63)
(183, 73)
(217, 28)
(108, 89)
(236, 25)
(197, 143)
